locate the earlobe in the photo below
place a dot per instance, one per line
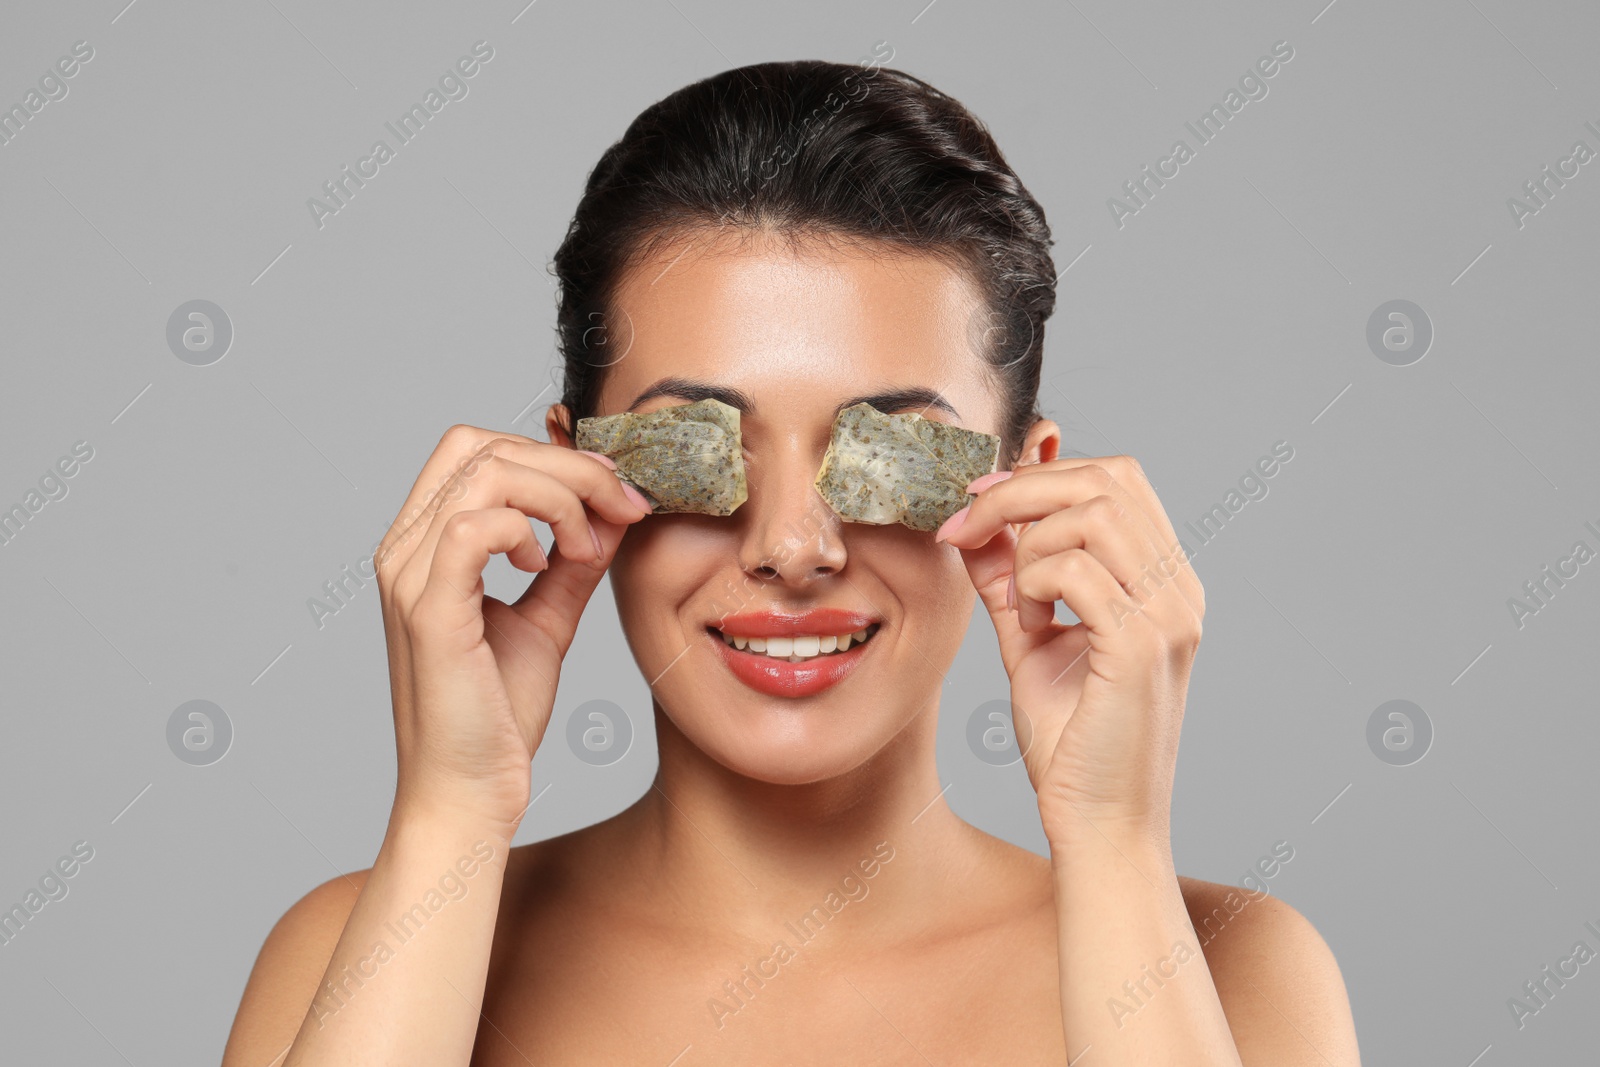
(558, 425)
(1042, 444)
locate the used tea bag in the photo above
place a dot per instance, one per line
(684, 458)
(901, 468)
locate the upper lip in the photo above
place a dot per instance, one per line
(820, 621)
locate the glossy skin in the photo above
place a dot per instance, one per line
(613, 944)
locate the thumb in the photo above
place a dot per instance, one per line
(989, 566)
(555, 599)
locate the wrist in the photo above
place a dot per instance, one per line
(1071, 830)
(430, 798)
(425, 824)
(1124, 868)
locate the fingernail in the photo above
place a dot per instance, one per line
(978, 485)
(637, 497)
(952, 524)
(1011, 592)
(594, 536)
(607, 460)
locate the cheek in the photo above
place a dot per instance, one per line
(950, 593)
(931, 584)
(661, 565)
(898, 553)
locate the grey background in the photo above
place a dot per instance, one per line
(1228, 314)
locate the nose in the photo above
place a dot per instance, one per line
(791, 535)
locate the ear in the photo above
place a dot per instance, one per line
(558, 425)
(1042, 443)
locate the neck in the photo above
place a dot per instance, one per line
(762, 852)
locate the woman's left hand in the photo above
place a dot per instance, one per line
(1097, 704)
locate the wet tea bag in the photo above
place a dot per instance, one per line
(685, 458)
(901, 468)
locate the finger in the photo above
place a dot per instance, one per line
(457, 464)
(591, 475)
(497, 473)
(1079, 580)
(532, 492)
(1132, 486)
(556, 597)
(1130, 474)
(1033, 494)
(453, 452)
(990, 566)
(1101, 526)
(450, 605)
(554, 492)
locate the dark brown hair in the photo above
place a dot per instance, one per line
(813, 148)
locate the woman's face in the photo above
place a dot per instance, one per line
(793, 337)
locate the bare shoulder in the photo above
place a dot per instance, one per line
(288, 970)
(1276, 977)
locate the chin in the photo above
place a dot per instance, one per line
(788, 747)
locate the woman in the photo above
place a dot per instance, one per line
(791, 238)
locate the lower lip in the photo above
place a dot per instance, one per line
(780, 678)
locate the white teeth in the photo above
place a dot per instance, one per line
(797, 649)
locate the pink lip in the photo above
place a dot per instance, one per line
(779, 677)
(789, 623)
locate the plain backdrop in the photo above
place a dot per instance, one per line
(1229, 313)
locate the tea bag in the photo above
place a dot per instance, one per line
(685, 458)
(883, 469)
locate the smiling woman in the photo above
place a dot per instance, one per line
(796, 659)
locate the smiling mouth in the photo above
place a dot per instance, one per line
(802, 648)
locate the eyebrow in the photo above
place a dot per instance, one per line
(692, 389)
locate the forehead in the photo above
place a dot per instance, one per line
(798, 325)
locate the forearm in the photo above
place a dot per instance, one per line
(1134, 985)
(405, 983)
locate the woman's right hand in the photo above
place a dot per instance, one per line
(473, 679)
